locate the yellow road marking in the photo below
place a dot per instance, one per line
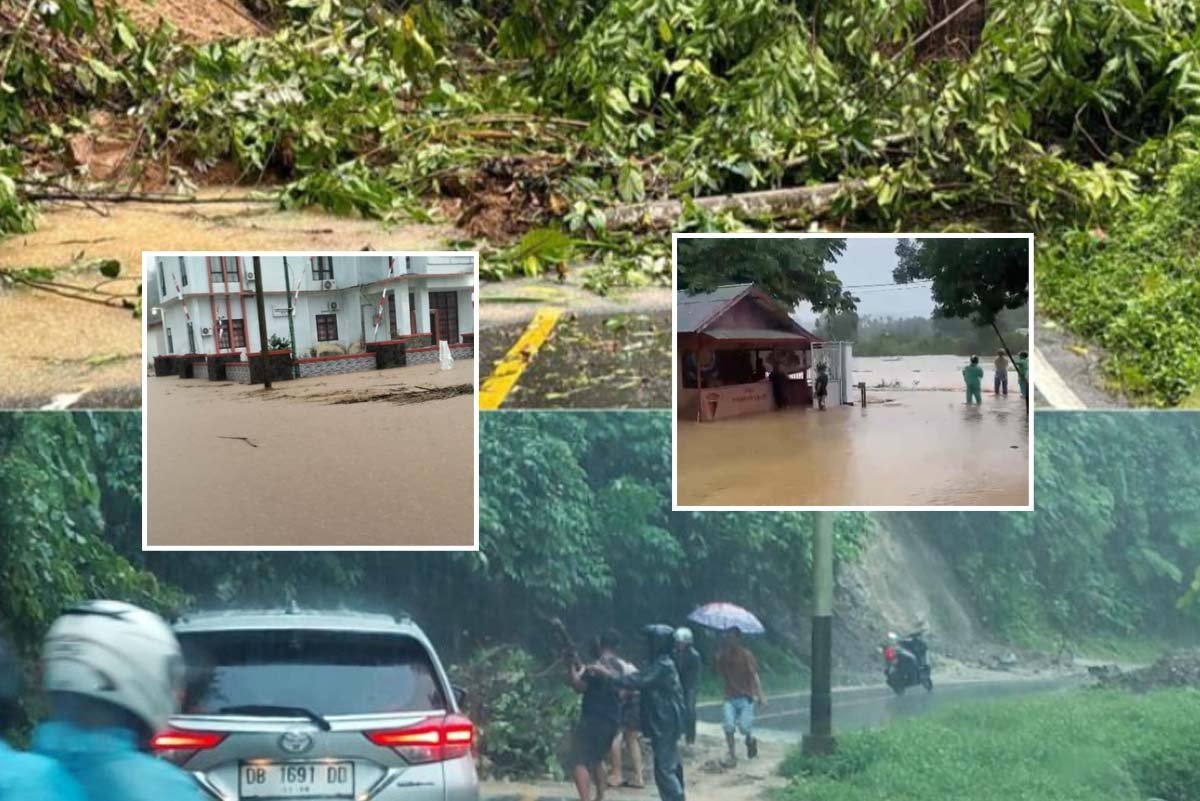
(495, 388)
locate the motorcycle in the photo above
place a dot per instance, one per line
(906, 662)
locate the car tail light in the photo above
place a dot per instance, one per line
(889, 654)
(182, 740)
(432, 740)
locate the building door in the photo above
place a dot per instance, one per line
(368, 322)
(443, 311)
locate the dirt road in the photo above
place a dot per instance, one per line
(51, 346)
(366, 459)
(706, 778)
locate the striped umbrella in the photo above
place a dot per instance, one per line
(724, 616)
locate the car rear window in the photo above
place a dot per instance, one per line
(329, 673)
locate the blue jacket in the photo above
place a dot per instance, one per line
(31, 777)
(109, 767)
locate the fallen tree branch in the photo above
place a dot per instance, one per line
(812, 200)
(57, 193)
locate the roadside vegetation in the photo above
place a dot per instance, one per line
(555, 119)
(1113, 543)
(1134, 288)
(914, 336)
(1084, 746)
(575, 522)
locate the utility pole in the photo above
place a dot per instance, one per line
(263, 346)
(287, 287)
(819, 740)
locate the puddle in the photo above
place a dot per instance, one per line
(919, 449)
(51, 345)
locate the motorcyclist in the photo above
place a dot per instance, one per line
(26, 777)
(113, 674)
(662, 709)
(914, 643)
(687, 660)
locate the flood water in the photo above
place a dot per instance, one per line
(920, 372)
(51, 345)
(903, 449)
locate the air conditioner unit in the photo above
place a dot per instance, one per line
(249, 275)
(205, 332)
(333, 305)
(329, 283)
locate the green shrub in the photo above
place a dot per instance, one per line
(522, 719)
(1135, 289)
(1076, 746)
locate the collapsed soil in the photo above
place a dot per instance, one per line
(1181, 669)
(198, 21)
(51, 345)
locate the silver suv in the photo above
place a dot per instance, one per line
(317, 705)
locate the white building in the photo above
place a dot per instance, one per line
(335, 305)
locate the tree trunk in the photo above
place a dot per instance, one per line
(813, 200)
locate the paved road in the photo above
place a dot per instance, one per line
(1073, 379)
(610, 352)
(861, 707)
(786, 719)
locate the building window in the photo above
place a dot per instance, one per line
(327, 327)
(239, 333)
(392, 315)
(216, 269)
(191, 339)
(182, 271)
(162, 278)
(237, 327)
(322, 268)
(170, 342)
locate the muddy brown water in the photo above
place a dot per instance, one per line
(226, 467)
(919, 449)
(51, 345)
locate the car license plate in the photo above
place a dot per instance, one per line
(296, 779)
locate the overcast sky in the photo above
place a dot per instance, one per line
(871, 261)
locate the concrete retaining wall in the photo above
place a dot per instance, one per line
(335, 365)
(429, 355)
(238, 371)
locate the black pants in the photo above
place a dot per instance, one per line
(689, 704)
(780, 394)
(668, 768)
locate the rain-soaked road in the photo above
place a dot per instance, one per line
(862, 707)
(1074, 364)
(918, 449)
(604, 352)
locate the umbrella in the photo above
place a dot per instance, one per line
(723, 616)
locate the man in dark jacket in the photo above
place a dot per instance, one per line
(662, 708)
(687, 660)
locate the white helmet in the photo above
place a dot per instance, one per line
(683, 635)
(119, 653)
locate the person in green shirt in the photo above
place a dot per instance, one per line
(1022, 365)
(973, 375)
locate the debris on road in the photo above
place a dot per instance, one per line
(1179, 669)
